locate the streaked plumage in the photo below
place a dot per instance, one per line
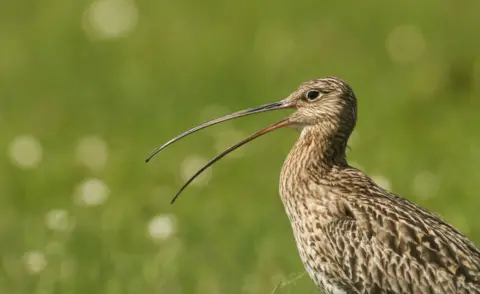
(352, 235)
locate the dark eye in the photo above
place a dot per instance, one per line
(313, 94)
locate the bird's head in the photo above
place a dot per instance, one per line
(327, 104)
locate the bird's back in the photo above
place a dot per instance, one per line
(355, 237)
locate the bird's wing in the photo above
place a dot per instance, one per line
(373, 267)
(409, 244)
(369, 267)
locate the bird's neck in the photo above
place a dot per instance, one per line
(317, 157)
(320, 149)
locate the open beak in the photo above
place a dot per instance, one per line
(267, 107)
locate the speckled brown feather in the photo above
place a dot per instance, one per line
(352, 235)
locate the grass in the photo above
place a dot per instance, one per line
(184, 62)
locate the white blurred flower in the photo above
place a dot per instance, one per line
(161, 227)
(92, 152)
(35, 261)
(92, 192)
(192, 164)
(382, 181)
(108, 19)
(405, 43)
(57, 220)
(25, 151)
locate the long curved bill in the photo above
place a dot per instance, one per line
(263, 108)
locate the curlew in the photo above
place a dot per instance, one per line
(352, 235)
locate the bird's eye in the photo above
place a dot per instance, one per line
(313, 94)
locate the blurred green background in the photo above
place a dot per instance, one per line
(89, 88)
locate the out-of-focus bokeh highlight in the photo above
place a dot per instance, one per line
(89, 88)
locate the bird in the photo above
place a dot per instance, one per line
(352, 235)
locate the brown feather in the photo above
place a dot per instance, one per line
(352, 235)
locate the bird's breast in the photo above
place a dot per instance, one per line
(310, 205)
(307, 200)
